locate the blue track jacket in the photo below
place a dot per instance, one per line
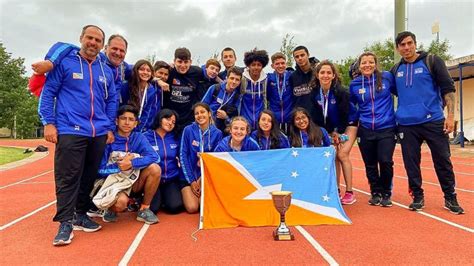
(168, 150)
(248, 144)
(374, 109)
(265, 143)
(420, 92)
(151, 105)
(280, 95)
(121, 73)
(135, 143)
(194, 141)
(79, 97)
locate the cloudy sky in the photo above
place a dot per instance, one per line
(332, 29)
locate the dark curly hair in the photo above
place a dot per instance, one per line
(256, 55)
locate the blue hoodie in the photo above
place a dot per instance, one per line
(420, 92)
(79, 97)
(280, 98)
(193, 142)
(168, 150)
(151, 105)
(121, 73)
(135, 143)
(374, 109)
(248, 144)
(265, 144)
(252, 97)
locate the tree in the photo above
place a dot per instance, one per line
(384, 52)
(439, 48)
(17, 105)
(287, 46)
(343, 67)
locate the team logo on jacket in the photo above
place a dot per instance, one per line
(195, 143)
(176, 82)
(156, 148)
(102, 79)
(77, 128)
(173, 146)
(333, 101)
(77, 76)
(399, 74)
(418, 70)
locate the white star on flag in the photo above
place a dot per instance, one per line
(294, 153)
(325, 168)
(294, 174)
(327, 154)
(325, 197)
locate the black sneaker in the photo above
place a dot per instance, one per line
(386, 201)
(375, 199)
(417, 204)
(84, 223)
(452, 205)
(64, 235)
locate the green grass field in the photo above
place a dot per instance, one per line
(8, 155)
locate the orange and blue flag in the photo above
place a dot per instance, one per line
(236, 188)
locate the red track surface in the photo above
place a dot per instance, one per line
(378, 235)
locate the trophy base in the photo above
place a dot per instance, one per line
(283, 237)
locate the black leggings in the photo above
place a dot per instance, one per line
(168, 197)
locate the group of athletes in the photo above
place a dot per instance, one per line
(133, 134)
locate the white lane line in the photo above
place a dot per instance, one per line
(424, 182)
(3, 227)
(317, 246)
(27, 179)
(470, 230)
(133, 247)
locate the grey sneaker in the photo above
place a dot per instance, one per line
(417, 204)
(84, 223)
(375, 199)
(147, 216)
(109, 216)
(95, 213)
(64, 235)
(386, 201)
(452, 205)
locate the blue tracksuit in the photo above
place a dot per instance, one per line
(374, 107)
(135, 143)
(150, 105)
(280, 95)
(194, 141)
(325, 142)
(266, 143)
(121, 73)
(248, 144)
(79, 97)
(252, 97)
(168, 150)
(221, 100)
(419, 95)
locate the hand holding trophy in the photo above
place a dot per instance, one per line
(282, 201)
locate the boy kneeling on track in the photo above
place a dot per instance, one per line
(130, 165)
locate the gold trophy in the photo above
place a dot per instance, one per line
(282, 201)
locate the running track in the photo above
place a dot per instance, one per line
(378, 235)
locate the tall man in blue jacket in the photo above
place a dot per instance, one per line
(77, 108)
(423, 87)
